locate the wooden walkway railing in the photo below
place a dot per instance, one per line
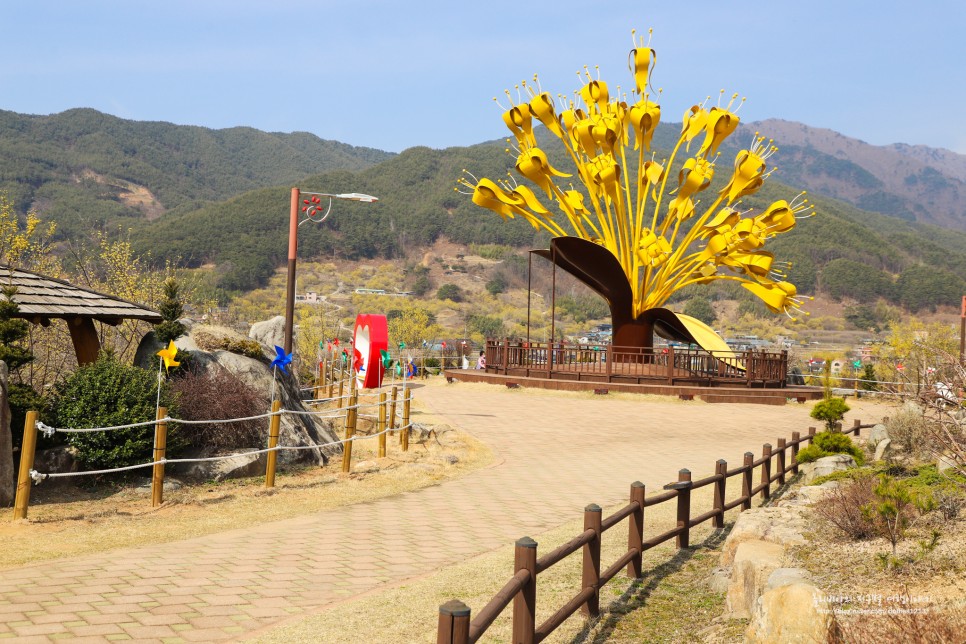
(455, 624)
(607, 363)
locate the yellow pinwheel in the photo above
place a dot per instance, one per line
(168, 355)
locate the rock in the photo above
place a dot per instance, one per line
(270, 332)
(420, 432)
(782, 525)
(240, 465)
(946, 462)
(789, 614)
(754, 562)
(170, 485)
(450, 459)
(365, 467)
(877, 434)
(785, 577)
(882, 449)
(8, 479)
(809, 494)
(827, 465)
(56, 459)
(295, 430)
(911, 407)
(720, 580)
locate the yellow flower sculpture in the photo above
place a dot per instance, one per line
(631, 226)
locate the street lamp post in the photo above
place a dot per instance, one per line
(312, 208)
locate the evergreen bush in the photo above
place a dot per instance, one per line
(829, 411)
(829, 443)
(104, 394)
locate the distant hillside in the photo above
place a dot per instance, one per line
(846, 252)
(83, 168)
(916, 183)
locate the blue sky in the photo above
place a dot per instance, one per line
(392, 75)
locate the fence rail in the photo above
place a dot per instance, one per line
(457, 626)
(607, 363)
(347, 410)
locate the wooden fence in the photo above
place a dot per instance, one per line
(348, 408)
(455, 625)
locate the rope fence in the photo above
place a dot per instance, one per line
(386, 424)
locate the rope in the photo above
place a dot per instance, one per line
(37, 477)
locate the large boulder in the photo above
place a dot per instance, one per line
(878, 433)
(784, 525)
(296, 430)
(754, 562)
(241, 464)
(792, 613)
(7, 475)
(825, 466)
(270, 332)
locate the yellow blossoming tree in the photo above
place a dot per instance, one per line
(637, 237)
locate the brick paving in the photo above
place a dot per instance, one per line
(555, 454)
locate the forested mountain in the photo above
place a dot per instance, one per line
(195, 196)
(844, 251)
(916, 183)
(84, 169)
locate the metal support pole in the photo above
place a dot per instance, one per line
(293, 246)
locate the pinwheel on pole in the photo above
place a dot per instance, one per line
(167, 360)
(282, 361)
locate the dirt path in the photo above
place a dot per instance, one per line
(555, 454)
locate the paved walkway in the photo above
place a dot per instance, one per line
(555, 454)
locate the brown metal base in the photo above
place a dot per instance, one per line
(722, 394)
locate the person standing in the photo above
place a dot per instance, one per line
(481, 363)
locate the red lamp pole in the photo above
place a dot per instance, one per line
(293, 246)
(312, 208)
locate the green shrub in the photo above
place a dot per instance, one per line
(104, 394)
(830, 411)
(829, 443)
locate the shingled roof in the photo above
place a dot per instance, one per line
(42, 298)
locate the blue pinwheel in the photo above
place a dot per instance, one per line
(282, 360)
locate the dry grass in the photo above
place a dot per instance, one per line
(71, 521)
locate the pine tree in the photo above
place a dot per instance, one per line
(171, 311)
(12, 331)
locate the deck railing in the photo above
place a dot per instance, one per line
(607, 363)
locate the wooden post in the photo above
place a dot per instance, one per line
(766, 471)
(609, 356)
(382, 424)
(855, 427)
(330, 386)
(635, 531)
(160, 444)
(591, 570)
(341, 388)
(454, 623)
(392, 407)
(27, 450)
(721, 469)
(796, 436)
(407, 399)
(272, 457)
(684, 508)
(746, 481)
(781, 461)
(670, 365)
(811, 435)
(350, 430)
(525, 601)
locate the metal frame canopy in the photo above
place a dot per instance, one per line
(42, 299)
